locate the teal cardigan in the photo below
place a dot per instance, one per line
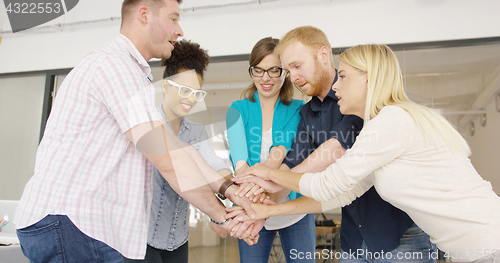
(244, 129)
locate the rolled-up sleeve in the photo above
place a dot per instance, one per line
(346, 130)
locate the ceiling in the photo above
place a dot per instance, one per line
(458, 81)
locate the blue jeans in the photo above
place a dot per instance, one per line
(296, 240)
(414, 246)
(56, 239)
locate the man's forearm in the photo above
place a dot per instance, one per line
(235, 198)
(204, 199)
(215, 179)
(192, 169)
(284, 167)
(223, 175)
(180, 168)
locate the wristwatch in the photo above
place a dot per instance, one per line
(223, 187)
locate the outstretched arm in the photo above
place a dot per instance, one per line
(277, 192)
(276, 157)
(156, 141)
(182, 166)
(302, 205)
(287, 179)
(326, 154)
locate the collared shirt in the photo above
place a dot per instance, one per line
(168, 224)
(85, 164)
(321, 121)
(367, 218)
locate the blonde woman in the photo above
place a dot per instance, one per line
(415, 159)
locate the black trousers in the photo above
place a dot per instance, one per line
(154, 255)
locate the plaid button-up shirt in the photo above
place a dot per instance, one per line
(86, 167)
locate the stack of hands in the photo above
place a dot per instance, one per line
(248, 218)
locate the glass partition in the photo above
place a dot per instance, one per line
(21, 104)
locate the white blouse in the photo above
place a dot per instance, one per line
(439, 190)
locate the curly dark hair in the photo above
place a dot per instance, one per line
(186, 55)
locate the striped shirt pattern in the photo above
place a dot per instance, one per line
(85, 165)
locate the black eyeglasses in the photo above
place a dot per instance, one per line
(274, 72)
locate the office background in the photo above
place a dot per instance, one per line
(449, 51)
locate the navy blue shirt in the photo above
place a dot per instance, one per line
(368, 218)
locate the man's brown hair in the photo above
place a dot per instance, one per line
(153, 4)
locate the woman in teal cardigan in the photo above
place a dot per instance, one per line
(261, 129)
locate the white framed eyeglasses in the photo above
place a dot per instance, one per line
(185, 91)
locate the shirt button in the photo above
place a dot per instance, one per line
(359, 225)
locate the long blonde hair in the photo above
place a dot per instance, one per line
(385, 87)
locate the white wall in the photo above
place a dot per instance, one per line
(234, 30)
(485, 145)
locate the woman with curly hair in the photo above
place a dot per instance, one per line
(168, 225)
